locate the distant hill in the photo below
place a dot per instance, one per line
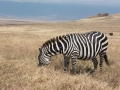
(103, 16)
(100, 15)
(12, 20)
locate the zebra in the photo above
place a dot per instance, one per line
(76, 46)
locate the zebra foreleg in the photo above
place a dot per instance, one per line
(74, 66)
(95, 63)
(66, 63)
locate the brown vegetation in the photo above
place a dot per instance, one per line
(111, 34)
(19, 51)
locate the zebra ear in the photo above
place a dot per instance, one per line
(39, 49)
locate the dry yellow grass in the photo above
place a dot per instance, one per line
(19, 50)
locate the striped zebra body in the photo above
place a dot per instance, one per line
(85, 46)
(76, 46)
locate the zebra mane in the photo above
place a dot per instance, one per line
(53, 40)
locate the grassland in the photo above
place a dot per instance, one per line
(19, 45)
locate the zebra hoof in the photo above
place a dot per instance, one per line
(92, 71)
(65, 70)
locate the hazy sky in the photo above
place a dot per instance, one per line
(106, 2)
(57, 9)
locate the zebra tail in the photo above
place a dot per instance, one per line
(106, 60)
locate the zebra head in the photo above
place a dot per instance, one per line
(44, 56)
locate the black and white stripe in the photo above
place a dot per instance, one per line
(76, 46)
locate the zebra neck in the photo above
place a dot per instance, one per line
(55, 49)
(58, 45)
(58, 49)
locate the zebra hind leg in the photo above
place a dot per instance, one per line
(66, 63)
(95, 63)
(103, 56)
(101, 61)
(106, 59)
